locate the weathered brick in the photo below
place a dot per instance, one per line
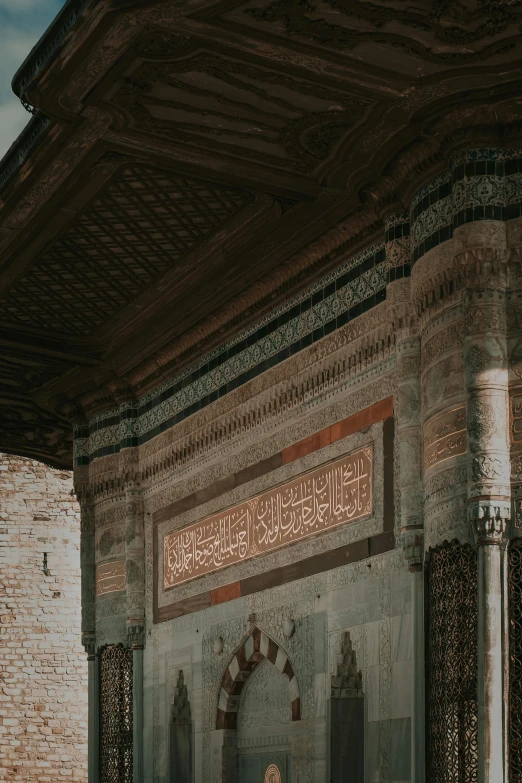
(43, 669)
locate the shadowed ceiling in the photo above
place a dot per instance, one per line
(192, 164)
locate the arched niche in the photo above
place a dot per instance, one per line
(256, 647)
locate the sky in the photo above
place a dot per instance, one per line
(22, 22)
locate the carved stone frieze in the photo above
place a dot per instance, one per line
(482, 421)
(444, 482)
(445, 436)
(444, 342)
(449, 526)
(443, 383)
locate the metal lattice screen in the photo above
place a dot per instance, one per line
(515, 662)
(116, 715)
(452, 665)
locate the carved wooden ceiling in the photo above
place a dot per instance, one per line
(202, 161)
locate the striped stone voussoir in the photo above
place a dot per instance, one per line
(256, 647)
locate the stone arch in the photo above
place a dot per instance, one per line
(255, 647)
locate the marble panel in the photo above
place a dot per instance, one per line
(320, 750)
(321, 683)
(400, 593)
(347, 618)
(148, 694)
(373, 693)
(373, 631)
(320, 630)
(198, 757)
(373, 773)
(401, 637)
(401, 749)
(402, 689)
(364, 592)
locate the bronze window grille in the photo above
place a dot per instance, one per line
(515, 662)
(115, 715)
(452, 702)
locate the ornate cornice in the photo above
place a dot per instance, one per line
(48, 45)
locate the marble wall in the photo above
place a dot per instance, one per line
(371, 599)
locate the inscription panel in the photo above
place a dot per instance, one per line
(111, 577)
(445, 437)
(317, 501)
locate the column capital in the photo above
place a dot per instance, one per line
(489, 518)
(89, 644)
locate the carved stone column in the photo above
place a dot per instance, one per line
(135, 568)
(135, 552)
(88, 574)
(485, 357)
(135, 632)
(412, 527)
(93, 726)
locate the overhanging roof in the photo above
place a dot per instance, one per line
(190, 164)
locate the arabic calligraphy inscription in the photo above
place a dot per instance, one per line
(445, 437)
(329, 496)
(110, 577)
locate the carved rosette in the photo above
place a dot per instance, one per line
(486, 367)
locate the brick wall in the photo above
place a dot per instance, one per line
(43, 668)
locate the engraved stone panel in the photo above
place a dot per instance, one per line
(110, 577)
(266, 700)
(445, 436)
(332, 495)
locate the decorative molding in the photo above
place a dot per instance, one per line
(324, 307)
(482, 184)
(353, 356)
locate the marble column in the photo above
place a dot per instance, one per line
(135, 568)
(485, 359)
(93, 730)
(135, 633)
(88, 586)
